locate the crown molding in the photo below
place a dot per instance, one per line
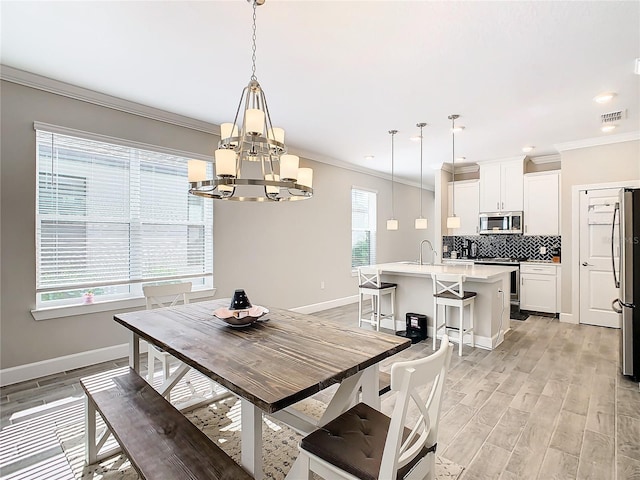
(471, 168)
(32, 80)
(506, 159)
(542, 159)
(317, 157)
(597, 141)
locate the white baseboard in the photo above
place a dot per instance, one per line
(318, 307)
(568, 318)
(30, 371)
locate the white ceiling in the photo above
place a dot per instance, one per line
(339, 74)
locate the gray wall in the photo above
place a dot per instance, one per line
(617, 162)
(279, 253)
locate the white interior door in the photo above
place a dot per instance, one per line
(597, 287)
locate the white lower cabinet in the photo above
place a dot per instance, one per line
(538, 290)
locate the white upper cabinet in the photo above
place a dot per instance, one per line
(501, 187)
(542, 203)
(467, 207)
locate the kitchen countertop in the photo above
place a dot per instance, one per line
(472, 272)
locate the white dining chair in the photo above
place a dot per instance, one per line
(159, 296)
(448, 291)
(371, 284)
(363, 443)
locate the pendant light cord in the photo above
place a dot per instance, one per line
(393, 212)
(453, 163)
(421, 125)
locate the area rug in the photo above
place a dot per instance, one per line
(220, 421)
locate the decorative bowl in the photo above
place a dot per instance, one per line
(241, 318)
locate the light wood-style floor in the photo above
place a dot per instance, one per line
(549, 403)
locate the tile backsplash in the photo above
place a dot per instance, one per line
(512, 246)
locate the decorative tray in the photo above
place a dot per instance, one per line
(241, 318)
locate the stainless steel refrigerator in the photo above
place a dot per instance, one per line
(626, 275)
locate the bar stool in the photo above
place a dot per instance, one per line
(370, 284)
(448, 290)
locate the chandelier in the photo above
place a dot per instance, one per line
(251, 162)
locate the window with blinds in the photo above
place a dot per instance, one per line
(110, 218)
(363, 227)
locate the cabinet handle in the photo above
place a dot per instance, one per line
(525, 229)
(498, 205)
(503, 205)
(522, 281)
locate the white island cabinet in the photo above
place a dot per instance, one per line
(415, 295)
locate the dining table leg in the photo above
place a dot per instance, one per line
(251, 438)
(370, 387)
(134, 351)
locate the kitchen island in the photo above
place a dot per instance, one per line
(415, 295)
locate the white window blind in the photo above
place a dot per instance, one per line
(363, 227)
(110, 217)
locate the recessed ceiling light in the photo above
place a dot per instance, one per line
(527, 149)
(457, 128)
(460, 159)
(369, 157)
(415, 138)
(604, 97)
(608, 128)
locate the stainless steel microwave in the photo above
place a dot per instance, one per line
(501, 222)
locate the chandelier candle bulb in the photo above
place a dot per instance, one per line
(289, 167)
(255, 121)
(197, 170)
(305, 177)
(277, 134)
(228, 130)
(225, 163)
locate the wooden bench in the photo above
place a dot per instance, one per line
(159, 441)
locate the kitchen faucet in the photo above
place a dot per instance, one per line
(433, 258)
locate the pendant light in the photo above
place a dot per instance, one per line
(453, 221)
(392, 223)
(251, 162)
(421, 223)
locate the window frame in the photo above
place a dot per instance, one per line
(43, 309)
(373, 224)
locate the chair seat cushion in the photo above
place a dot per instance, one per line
(354, 442)
(382, 286)
(455, 297)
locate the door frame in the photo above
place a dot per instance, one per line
(576, 190)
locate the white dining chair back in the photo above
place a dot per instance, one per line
(370, 283)
(448, 291)
(160, 296)
(364, 443)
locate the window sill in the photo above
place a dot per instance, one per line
(111, 306)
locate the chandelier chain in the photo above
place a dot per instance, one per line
(253, 40)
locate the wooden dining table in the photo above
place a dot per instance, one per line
(271, 364)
